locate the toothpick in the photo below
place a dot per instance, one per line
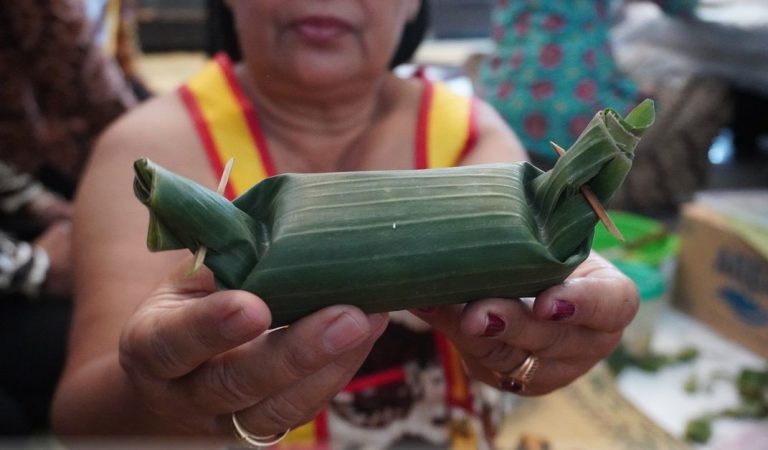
(597, 207)
(201, 251)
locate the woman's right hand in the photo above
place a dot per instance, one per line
(195, 356)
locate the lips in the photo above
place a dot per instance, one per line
(321, 29)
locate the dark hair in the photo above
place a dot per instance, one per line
(221, 34)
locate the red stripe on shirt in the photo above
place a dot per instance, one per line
(251, 118)
(422, 126)
(376, 379)
(452, 365)
(321, 427)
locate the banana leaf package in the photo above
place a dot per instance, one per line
(389, 240)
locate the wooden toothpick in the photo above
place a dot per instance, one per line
(594, 203)
(201, 251)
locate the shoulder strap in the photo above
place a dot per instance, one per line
(227, 125)
(447, 126)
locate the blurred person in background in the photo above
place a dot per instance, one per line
(115, 31)
(58, 91)
(553, 68)
(35, 285)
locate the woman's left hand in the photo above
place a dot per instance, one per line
(569, 328)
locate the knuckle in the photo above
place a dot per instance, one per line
(127, 353)
(497, 357)
(593, 311)
(557, 338)
(132, 352)
(228, 387)
(166, 360)
(281, 413)
(206, 337)
(144, 350)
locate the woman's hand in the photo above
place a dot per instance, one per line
(569, 328)
(195, 356)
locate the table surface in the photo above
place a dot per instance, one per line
(662, 396)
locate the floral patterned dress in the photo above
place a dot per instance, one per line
(553, 68)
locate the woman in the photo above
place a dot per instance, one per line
(155, 351)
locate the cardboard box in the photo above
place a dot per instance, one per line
(722, 273)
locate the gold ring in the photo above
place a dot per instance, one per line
(253, 440)
(517, 379)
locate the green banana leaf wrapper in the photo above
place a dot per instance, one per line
(390, 240)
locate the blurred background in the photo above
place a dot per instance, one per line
(692, 371)
(729, 42)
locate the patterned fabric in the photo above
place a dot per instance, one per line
(553, 68)
(412, 386)
(23, 267)
(57, 91)
(16, 190)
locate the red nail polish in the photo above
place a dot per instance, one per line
(494, 325)
(562, 309)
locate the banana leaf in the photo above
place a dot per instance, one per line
(389, 240)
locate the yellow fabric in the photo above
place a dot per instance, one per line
(449, 127)
(228, 126)
(304, 434)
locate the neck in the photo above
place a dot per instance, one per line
(322, 131)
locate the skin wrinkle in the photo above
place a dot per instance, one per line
(556, 339)
(235, 387)
(501, 353)
(281, 412)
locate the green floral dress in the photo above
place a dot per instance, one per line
(553, 68)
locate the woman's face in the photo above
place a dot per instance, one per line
(320, 42)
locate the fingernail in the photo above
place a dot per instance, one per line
(494, 325)
(240, 324)
(562, 309)
(511, 386)
(342, 333)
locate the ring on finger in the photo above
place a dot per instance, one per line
(253, 440)
(518, 379)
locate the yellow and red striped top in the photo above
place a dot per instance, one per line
(228, 126)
